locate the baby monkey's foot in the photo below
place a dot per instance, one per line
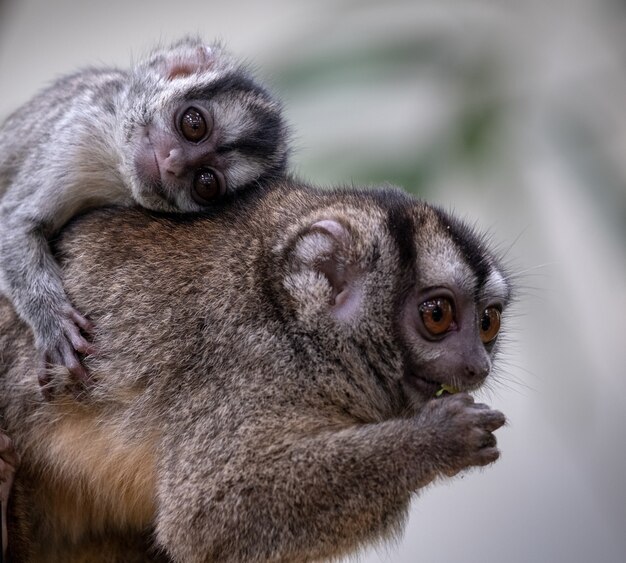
(67, 348)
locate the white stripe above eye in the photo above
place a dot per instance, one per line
(496, 285)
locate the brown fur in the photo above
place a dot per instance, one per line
(235, 416)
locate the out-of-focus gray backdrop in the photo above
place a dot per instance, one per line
(511, 113)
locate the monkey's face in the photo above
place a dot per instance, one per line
(410, 282)
(199, 129)
(176, 159)
(451, 317)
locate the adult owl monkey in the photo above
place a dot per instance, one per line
(268, 389)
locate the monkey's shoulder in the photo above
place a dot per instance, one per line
(95, 87)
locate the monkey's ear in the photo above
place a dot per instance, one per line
(325, 248)
(180, 65)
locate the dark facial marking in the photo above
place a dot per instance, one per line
(227, 84)
(471, 247)
(402, 227)
(261, 141)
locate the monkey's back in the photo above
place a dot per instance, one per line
(195, 333)
(86, 487)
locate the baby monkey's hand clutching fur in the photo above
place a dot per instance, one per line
(280, 405)
(183, 128)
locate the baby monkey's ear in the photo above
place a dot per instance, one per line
(325, 249)
(186, 62)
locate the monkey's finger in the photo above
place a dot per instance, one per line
(486, 456)
(76, 339)
(83, 346)
(82, 322)
(488, 441)
(461, 397)
(65, 355)
(492, 420)
(451, 472)
(76, 369)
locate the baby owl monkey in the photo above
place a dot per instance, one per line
(179, 130)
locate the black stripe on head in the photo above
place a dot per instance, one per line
(227, 84)
(263, 140)
(402, 227)
(469, 243)
(399, 222)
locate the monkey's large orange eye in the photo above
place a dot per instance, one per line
(193, 125)
(208, 185)
(437, 315)
(489, 324)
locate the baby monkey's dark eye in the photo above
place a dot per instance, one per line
(489, 324)
(208, 185)
(437, 315)
(193, 125)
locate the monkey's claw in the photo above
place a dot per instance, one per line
(66, 350)
(81, 322)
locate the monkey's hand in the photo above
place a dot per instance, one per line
(63, 345)
(32, 280)
(462, 432)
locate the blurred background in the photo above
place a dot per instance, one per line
(512, 114)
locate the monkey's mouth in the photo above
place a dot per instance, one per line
(431, 388)
(424, 386)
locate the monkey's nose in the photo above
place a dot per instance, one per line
(174, 163)
(476, 371)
